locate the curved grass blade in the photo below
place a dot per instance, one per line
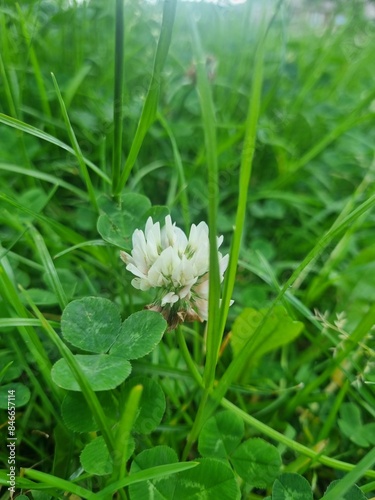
(145, 475)
(43, 177)
(124, 430)
(29, 129)
(35, 64)
(209, 126)
(148, 114)
(239, 362)
(118, 95)
(14, 322)
(49, 268)
(77, 149)
(57, 482)
(294, 445)
(26, 331)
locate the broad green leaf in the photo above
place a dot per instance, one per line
(77, 415)
(354, 493)
(22, 395)
(42, 297)
(211, 480)
(152, 404)
(91, 323)
(10, 368)
(221, 435)
(158, 489)
(119, 222)
(39, 495)
(291, 486)
(102, 371)
(139, 334)
(257, 462)
(279, 329)
(95, 458)
(64, 448)
(352, 427)
(158, 213)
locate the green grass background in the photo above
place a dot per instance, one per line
(284, 102)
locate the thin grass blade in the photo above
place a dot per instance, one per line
(77, 149)
(29, 129)
(148, 114)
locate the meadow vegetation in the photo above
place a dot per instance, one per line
(257, 118)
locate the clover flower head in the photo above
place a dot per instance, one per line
(175, 265)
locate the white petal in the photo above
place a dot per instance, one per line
(202, 308)
(201, 289)
(169, 298)
(223, 264)
(149, 226)
(167, 233)
(135, 270)
(161, 271)
(125, 257)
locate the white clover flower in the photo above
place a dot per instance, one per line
(177, 266)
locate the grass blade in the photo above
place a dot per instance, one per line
(51, 273)
(77, 149)
(244, 180)
(360, 470)
(293, 445)
(58, 483)
(27, 332)
(144, 475)
(148, 114)
(35, 64)
(44, 177)
(118, 95)
(29, 129)
(180, 169)
(124, 430)
(209, 125)
(243, 358)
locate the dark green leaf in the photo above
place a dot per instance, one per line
(354, 493)
(103, 372)
(211, 480)
(77, 415)
(159, 489)
(291, 486)
(95, 458)
(220, 435)
(257, 462)
(118, 225)
(22, 395)
(152, 404)
(279, 329)
(139, 334)
(91, 323)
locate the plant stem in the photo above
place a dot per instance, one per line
(118, 96)
(293, 445)
(187, 357)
